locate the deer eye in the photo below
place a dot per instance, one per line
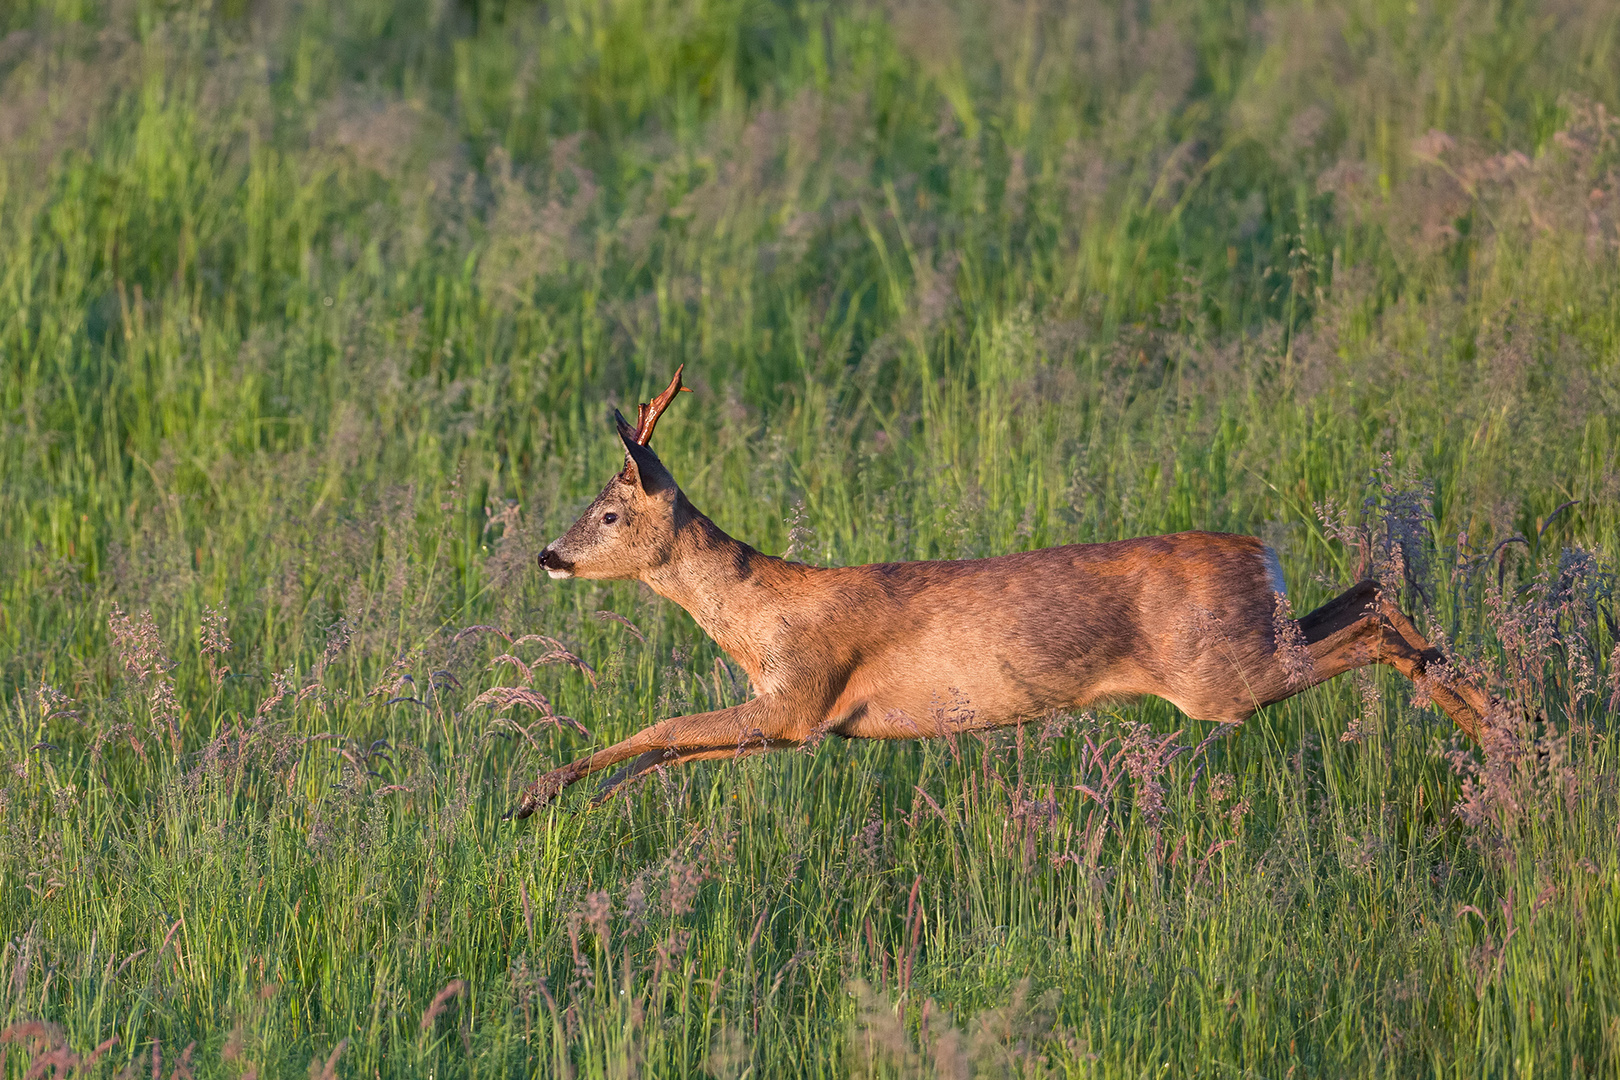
(608, 519)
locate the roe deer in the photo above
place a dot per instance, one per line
(904, 650)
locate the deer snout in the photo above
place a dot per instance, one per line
(555, 565)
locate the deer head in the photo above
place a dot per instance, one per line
(631, 526)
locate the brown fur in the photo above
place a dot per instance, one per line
(908, 650)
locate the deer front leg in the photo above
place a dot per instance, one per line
(762, 723)
(652, 759)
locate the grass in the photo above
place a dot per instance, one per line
(311, 319)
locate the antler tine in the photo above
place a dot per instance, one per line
(647, 415)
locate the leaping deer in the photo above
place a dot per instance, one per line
(917, 649)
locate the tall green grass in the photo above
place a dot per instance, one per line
(312, 316)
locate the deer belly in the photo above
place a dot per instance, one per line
(910, 696)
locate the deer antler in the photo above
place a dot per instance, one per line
(647, 415)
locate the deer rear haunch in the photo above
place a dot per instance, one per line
(920, 649)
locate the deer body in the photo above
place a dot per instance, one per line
(918, 649)
(858, 648)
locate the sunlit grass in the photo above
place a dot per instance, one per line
(312, 317)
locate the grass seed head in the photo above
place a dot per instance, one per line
(441, 1002)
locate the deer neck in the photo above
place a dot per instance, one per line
(735, 593)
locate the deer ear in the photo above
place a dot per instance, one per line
(641, 466)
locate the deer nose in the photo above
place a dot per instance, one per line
(555, 565)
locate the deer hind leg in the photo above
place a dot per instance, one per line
(758, 724)
(1360, 627)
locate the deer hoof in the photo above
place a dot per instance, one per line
(542, 792)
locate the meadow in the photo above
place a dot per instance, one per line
(312, 319)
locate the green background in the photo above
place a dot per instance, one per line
(312, 318)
